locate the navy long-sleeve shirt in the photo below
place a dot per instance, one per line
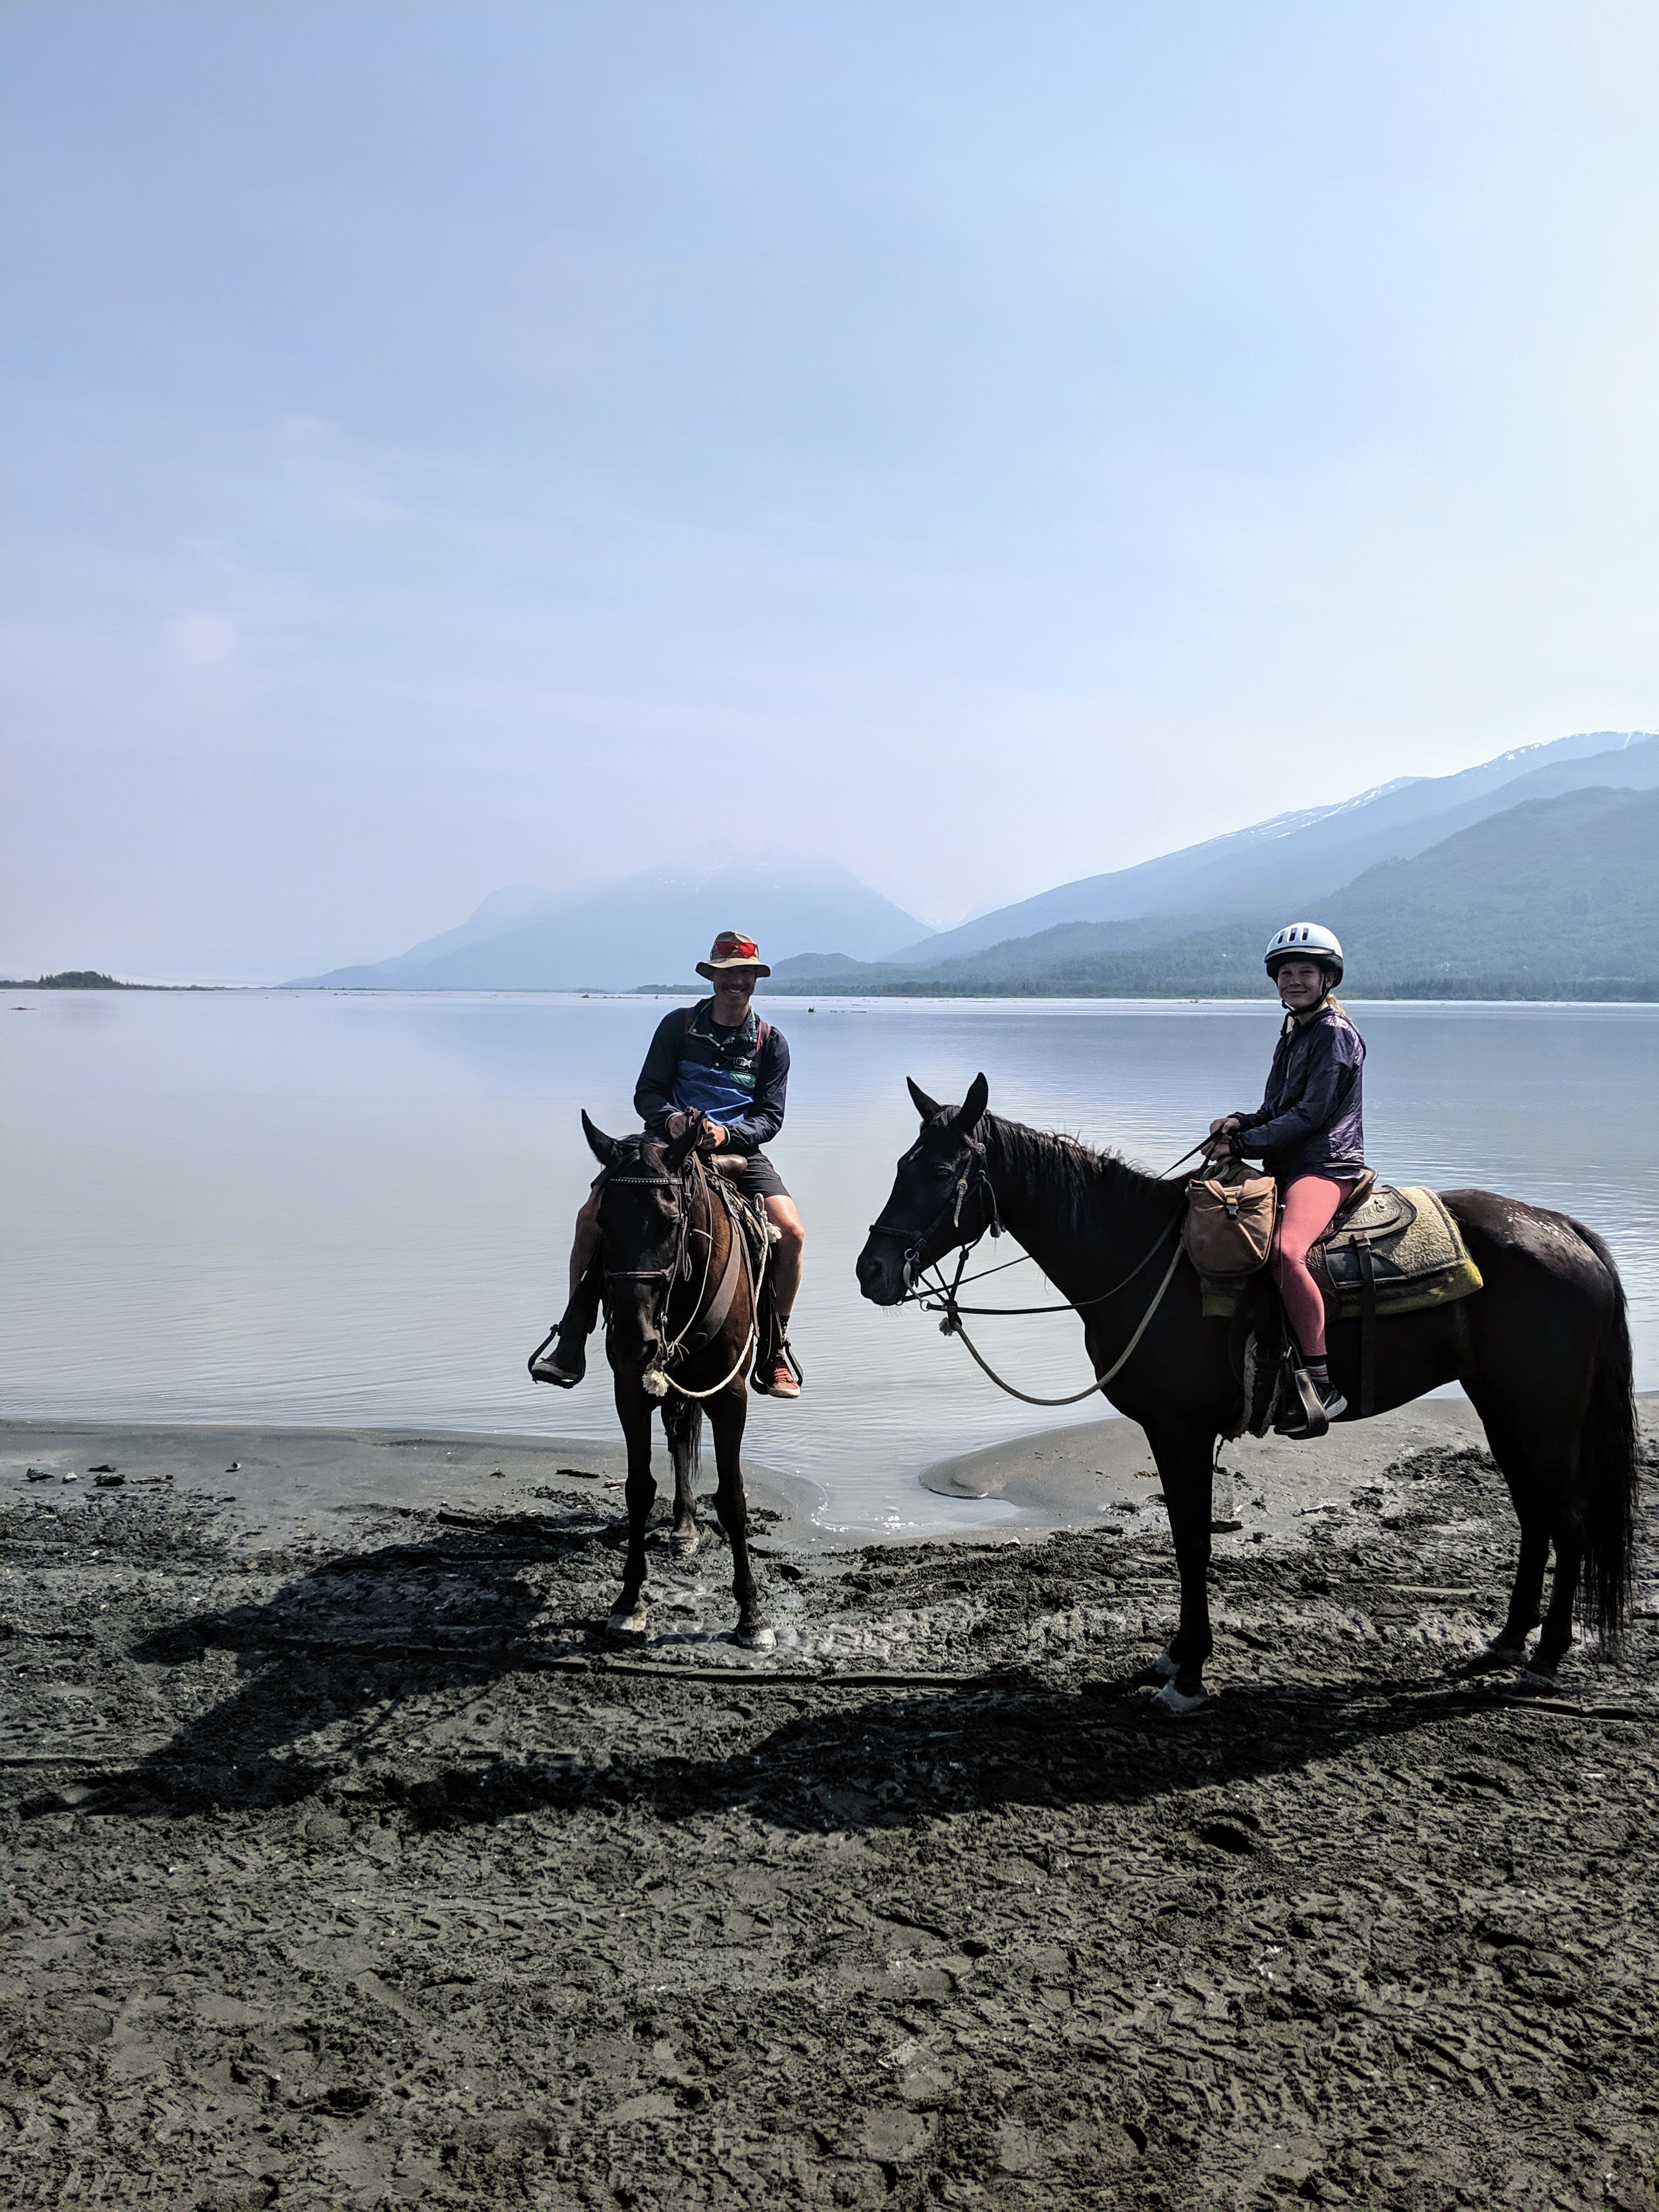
(1309, 1120)
(739, 1076)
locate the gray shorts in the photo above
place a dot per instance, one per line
(757, 1177)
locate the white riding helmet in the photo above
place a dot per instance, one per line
(1304, 940)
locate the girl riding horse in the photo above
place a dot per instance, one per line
(1308, 1132)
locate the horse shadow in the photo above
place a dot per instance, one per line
(338, 1653)
(1019, 1743)
(340, 1647)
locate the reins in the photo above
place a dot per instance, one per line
(940, 1298)
(681, 1265)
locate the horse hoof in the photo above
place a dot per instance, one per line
(1172, 1700)
(684, 1542)
(757, 1640)
(1493, 1659)
(1166, 1665)
(629, 1627)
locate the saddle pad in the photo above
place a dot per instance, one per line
(1417, 1252)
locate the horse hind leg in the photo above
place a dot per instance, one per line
(1508, 1648)
(684, 1422)
(1557, 1639)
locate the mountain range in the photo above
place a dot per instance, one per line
(1534, 875)
(1293, 859)
(1531, 875)
(1556, 898)
(650, 927)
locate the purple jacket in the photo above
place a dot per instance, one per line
(1308, 1121)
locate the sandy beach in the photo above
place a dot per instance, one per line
(348, 1865)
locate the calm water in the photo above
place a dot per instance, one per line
(299, 1208)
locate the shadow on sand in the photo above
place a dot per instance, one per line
(356, 1644)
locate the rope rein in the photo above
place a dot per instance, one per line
(940, 1298)
(952, 1326)
(751, 1343)
(681, 1266)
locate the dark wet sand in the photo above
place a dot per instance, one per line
(348, 1866)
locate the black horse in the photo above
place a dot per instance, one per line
(1543, 1352)
(680, 1298)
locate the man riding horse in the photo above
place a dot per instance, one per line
(720, 1062)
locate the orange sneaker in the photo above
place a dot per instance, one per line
(779, 1379)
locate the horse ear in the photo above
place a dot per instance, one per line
(925, 1106)
(606, 1150)
(972, 1109)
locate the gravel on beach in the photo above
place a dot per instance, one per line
(348, 1865)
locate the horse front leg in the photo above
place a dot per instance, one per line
(683, 1418)
(728, 1414)
(631, 1618)
(1184, 1466)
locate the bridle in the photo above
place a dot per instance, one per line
(680, 1261)
(940, 1298)
(975, 1177)
(680, 1266)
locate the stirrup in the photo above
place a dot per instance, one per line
(785, 1352)
(1317, 1409)
(546, 1367)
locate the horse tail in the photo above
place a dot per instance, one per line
(1612, 1459)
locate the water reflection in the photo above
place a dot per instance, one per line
(292, 1207)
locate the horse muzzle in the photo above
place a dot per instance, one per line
(881, 1271)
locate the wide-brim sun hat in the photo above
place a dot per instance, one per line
(731, 949)
(1304, 940)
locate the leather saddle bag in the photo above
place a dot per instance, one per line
(1229, 1230)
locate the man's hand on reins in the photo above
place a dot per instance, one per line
(710, 1136)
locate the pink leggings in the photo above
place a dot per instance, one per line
(1310, 1202)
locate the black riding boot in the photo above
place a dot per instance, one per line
(561, 1357)
(1317, 1403)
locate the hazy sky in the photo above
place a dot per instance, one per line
(458, 444)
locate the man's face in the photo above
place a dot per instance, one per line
(731, 995)
(1300, 983)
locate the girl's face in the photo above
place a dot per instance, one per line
(1301, 984)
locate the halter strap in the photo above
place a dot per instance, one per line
(976, 1175)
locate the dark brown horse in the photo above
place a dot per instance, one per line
(680, 1297)
(1543, 1353)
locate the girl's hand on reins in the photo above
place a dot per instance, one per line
(1221, 1135)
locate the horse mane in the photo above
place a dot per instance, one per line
(1081, 1186)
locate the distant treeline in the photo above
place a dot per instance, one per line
(1597, 989)
(72, 979)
